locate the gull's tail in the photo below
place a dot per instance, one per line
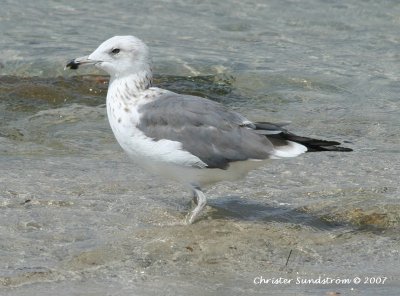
(280, 137)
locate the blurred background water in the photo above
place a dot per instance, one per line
(78, 218)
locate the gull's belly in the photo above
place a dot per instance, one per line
(205, 176)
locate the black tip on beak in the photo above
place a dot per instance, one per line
(73, 65)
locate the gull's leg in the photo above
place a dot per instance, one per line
(195, 197)
(200, 200)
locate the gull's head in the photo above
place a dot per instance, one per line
(118, 56)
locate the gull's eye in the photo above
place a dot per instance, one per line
(115, 51)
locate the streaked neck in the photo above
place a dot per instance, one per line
(131, 85)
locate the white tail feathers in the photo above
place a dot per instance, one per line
(292, 149)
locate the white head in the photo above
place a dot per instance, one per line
(119, 56)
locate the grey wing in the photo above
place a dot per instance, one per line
(205, 128)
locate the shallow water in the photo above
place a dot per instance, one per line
(77, 217)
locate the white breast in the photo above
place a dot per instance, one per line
(123, 115)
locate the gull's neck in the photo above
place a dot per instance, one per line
(131, 85)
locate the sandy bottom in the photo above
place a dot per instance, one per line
(80, 226)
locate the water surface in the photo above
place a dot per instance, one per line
(77, 217)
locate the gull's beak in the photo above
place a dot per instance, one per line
(75, 63)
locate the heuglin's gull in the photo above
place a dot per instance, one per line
(190, 139)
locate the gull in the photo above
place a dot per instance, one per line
(189, 139)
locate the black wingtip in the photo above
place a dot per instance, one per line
(277, 132)
(317, 145)
(312, 148)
